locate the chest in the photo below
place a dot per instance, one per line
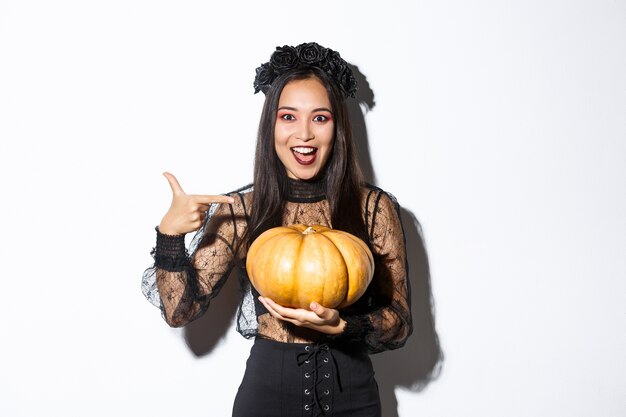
(307, 213)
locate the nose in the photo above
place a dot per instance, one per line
(305, 131)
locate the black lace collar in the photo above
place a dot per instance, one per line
(305, 191)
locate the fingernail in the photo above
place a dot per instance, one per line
(314, 305)
(231, 200)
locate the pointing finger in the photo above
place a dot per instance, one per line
(174, 185)
(210, 199)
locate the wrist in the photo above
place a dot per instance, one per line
(165, 230)
(354, 327)
(170, 251)
(340, 328)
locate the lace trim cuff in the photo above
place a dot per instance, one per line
(357, 327)
(170, 252)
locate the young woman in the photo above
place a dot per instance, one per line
(312, 361)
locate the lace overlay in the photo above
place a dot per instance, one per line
(182, 282)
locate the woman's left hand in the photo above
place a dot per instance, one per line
(322, 319)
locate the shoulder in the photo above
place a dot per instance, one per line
(243, 192)
(380, 210)
(243, 199)
(374, 197)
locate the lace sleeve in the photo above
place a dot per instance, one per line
(382, 317)
(182, 282)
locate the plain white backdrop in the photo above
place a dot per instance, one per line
(500, 126)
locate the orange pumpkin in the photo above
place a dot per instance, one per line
(296, 265)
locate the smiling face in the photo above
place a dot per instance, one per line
(304, 129)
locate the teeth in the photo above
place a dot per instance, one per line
(303, 150)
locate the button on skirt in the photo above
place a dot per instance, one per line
(308, 380)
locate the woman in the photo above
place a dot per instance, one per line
(303, 362)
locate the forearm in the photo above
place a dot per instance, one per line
(383, 329)
(173, 273)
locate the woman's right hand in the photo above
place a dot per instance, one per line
(187, 211)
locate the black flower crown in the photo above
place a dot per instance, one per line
(287, 58)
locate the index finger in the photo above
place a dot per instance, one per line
(210, 199)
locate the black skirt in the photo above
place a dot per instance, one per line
(308, 380)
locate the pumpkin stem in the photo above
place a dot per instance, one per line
(308, 230)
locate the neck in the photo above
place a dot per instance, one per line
(306, 191)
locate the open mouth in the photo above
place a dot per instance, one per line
(304, 155)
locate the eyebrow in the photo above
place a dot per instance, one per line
(314, 110)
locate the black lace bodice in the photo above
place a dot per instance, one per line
(183, 281)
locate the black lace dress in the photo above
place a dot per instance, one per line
(182, 282)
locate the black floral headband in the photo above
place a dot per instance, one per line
(287, 58)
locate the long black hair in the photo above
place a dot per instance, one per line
(342, 174)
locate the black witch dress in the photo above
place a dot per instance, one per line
(292, 371)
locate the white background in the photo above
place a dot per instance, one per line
(500, 126)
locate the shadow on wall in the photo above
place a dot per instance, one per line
(421, 359)
(415, 365)
(203, 335)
